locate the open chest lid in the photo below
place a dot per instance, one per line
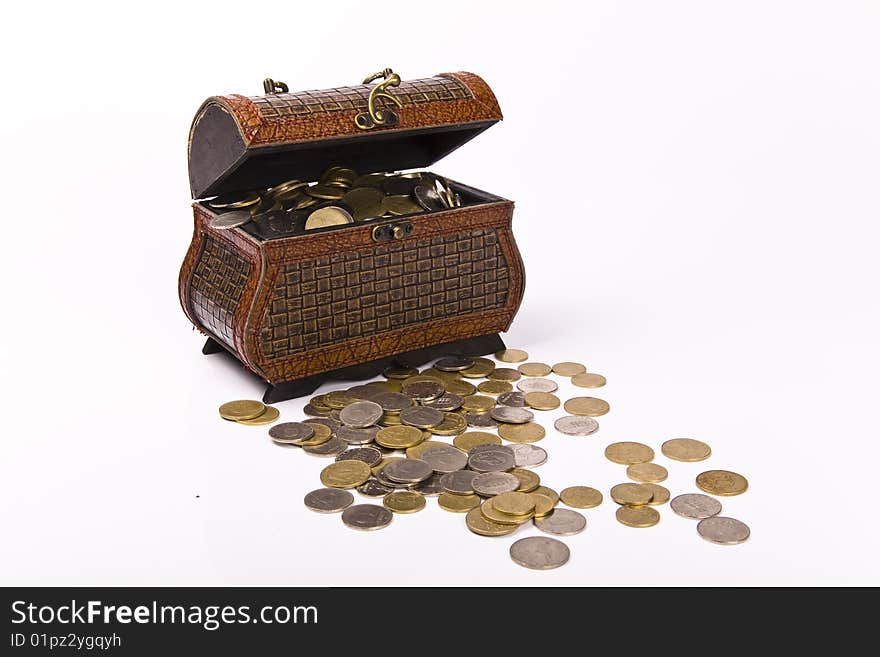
(239, 143)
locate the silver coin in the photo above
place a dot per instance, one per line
(393, 401)
(539, 552)
(460, 482)
(361, 415)
(407, 471)
(491, 461)
(515, 398)
(393, 485)
(291, 432)
(308, 409)
(424, 391)
(328, 500)
(723, 531)
(445, 460)
(512, 414)
(528, 456)
(358, 436)
(695, 506)
(430, 486)
(421, 417)
(372, 487)
(481, 421)
(369, 455)
(367, 517)
(454, 363)
(573, 425)
(428, 198)
(364, 392)
(490, 484)
(537, 385)
(479, 449)
(562, 522)
(229, 220)
(332, 447)
(446, 402)
(328, 422)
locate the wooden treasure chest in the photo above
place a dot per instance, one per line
(323, 248)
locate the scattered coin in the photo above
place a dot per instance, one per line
(369, 455)
(408, 471)
(330, 448)
(345, 474)
(511, 355)
(647, 472)
(266, 417)
(229, 220)
(242, 409)
(562, 522)
(514, 503)
(542, 401)
(685, 449)
(505, 374)
(528, 456)
(494, 460)
(478, 403)
(631, 494)
(723, 531)
(470, 439)
(537, 385)
(446, 402)
(291, 432)
(587, 380)
(489, 484)
(581, 497)
(627, 453)
(572, 425)
(430, 487)
(489, 512)
(460, 482)
(393, 402)
(588, 406)
(404, 501)
(569, 369)
(461, 388)
(328, 500)
(549, 493)
(528, 432)
(516, 398)
(493, 387)
(512, 414)
(423, 391)
(373, 488)
(722, 482)
(360, 415)
(539, 553)
(445, 460)
(482, 367)
(357, 436)
(479, 524)
(528, 480)
(399, 437)
(367, 517)
(696, 506)
(458, 503)
(454, 363)
(637, 516)
(661, 494)
(534, 369)
(321, 434)
(421, 417)
(452, 425)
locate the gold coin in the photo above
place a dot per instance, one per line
(515, 504)
(458, 503)
(322, 434)
(478, 403)
(587, 380)
(242, 409)
(528, 480)
(494, 515)
(661, 494)
(365, 202)
(268, 417)
(461, 388)
(543, 504)
(589, 406)
(581, 497)
(328, 216)
(511, 355)
(325, 192)
(443, 375)
(569, 369)
(479, 524)
(482, 367)
(495, 388)
(345, 474)
(722, 482)
(389, 419)
(338, 399)
(547, 492)
(627, 453)
(318, 404)
(470, 439)
(647, 472)
(416, 451)
(637, 516)
(392, 372)
(399, 437)
(633, 494)
(505, 374)
(686, 449)
(452, 424)
(404, 501)
(534, 369)
(528, 432)
(400, 205)
(385, 461)
(542, 401)
(405, 383)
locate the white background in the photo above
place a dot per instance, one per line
(696, 189)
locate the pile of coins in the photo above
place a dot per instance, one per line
(387, 441)
(339, 197)
(249, 412)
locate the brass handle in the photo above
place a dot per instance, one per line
(377, 115)
(271, 86)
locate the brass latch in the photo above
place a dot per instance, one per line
(271, 86)
(388, 232)
(379, 115)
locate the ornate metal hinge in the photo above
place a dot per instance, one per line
(379, 115)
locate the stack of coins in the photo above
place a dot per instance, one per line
(249, 412)
(339, 197)
(463, 431)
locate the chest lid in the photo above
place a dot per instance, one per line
(239, 143)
